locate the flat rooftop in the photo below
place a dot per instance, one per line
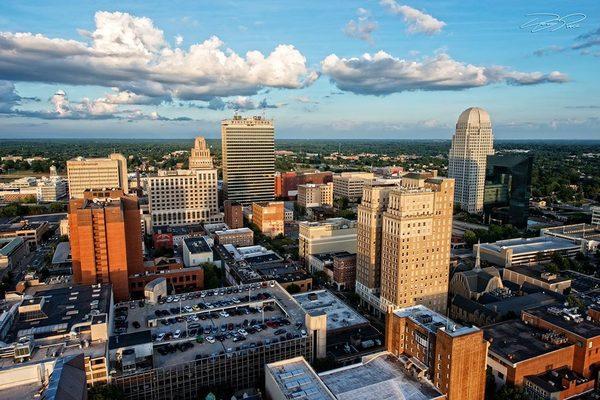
(515, 342)
(258, 304)
(328, 257)
(297, 380)
(539, 274)
(585, 329)
(197, 245)
(576, 231)
(378, 377)
(530, 245)
(433, 321)
(62, 254)
(339, 314)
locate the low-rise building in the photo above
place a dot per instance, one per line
(331, 235)
(196, 251)
(474, 283)
(350, 184)
(585, 235)
(31, 232)
(178, 279)
(238, 237)
(269, 217)
(525, 251)
(340, 267)
(537, 276)
(12, 252)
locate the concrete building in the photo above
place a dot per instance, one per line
(41, 331)
(537, 276)
(239, 237)
(585, 235)
(350, 184)
(315, 195)
(248, 152)
(31, 232)
(415, 250)
(105, 238)
(269, 217)
(196, 251)
(451, 355)
(184, 197)
(200, 155)
(97, 173)
(328, 236)
(148, 369)
(234, 214)
(374, 202)
(472, 143)
(525, 251)
(51, 189)
(596, 215)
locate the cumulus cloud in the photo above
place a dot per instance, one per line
(362, 28)
(417, 21)
(131, 54)
(240, 103)
(8, 97)
(178, 40)
(383, 74)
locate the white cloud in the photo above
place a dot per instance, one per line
(417, 21)
(131, 54)
(382, 74)
(238, 103)
(178, 40)
(362, 28)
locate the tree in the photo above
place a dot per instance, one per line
(212, 276)
(509, 392)
(105, 392)
(293, 288)
(470, 238)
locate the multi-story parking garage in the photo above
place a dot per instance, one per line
(186, 343)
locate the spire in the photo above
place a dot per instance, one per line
(478, 257)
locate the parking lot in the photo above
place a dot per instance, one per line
(213, 322)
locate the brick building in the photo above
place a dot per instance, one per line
(105, 237)
(344, 271)
(234, 214)
(452, 356)
(269, 217)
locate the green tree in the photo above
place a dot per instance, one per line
(509, 392)
(470, 238)
(212, 276)
(105, 392)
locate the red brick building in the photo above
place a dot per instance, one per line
(234, 214)
(179, 279)
(344, 271)
(105, 238)
(287, 182)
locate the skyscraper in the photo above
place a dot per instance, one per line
(248, 147)
(97, 173)
(200, 155)
(105, 237)
(415, 244)
(472, 142)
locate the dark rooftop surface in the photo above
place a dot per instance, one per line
(585, 329)
(514, 341)
(197, 245)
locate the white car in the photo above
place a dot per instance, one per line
(224, 314)
(303, 333)
(202, 295)
(210, 339)
(177, 334)
(242, 332)
(160, 337)
(188, 309)
(169, 299)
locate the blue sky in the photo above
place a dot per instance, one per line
(321, 69)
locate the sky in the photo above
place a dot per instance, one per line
(379, 69)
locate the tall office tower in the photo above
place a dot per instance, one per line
(472, 142)
(183, 197)
(368, 240)
(105, 237)
(200, 155)
(452, 356)
(508, 188)
(415, 247)
(248, 148)
(234, 214)
(97, 173)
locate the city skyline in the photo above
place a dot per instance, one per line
(388, 69)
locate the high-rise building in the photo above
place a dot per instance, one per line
(105, 238)
(452, 356)
(200, 155)
(472, 143)
(269, 217)
(415, 249)
(315, 195)
(248, 148)
(97, 173)
(368, 239)
(508, 188)
(184, 197)
(328, 236)
(234, 214)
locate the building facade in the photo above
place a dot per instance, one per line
(269, 217)
(184, 197)
(315, 195)
(248, 151)
(328, 236)
(97, 174)
(200, 155)
(234, 214)
(105, 237)
(415, 250)
(350, 184)
(472, 143)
